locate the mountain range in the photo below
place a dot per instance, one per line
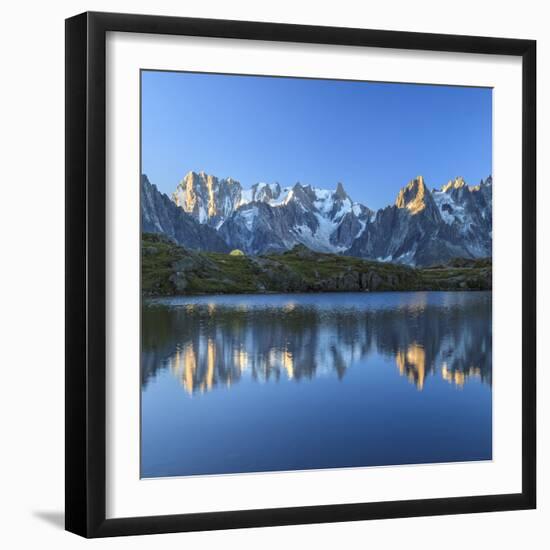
(423, 226)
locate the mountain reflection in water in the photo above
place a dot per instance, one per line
(214, 342)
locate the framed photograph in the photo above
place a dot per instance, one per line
(300, 274)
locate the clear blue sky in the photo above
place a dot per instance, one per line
(373, 137)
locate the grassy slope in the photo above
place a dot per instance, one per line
(168, 269)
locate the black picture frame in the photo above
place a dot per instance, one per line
(86, 269)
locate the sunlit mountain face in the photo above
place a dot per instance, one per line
(214, 343)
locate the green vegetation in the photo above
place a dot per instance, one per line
(168, 269)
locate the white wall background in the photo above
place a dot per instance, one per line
(32, 272)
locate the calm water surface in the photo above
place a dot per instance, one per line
(253, 383)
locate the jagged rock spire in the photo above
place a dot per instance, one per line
(413, 196)
(457, 183)
(341, 192)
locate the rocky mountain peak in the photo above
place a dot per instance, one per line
(340, 192)
(303, 193)
(457, 183)
(413, 196)
(160, 215)
(206, 197)
(265, 192)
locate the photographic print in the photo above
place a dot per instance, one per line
(316, 274)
